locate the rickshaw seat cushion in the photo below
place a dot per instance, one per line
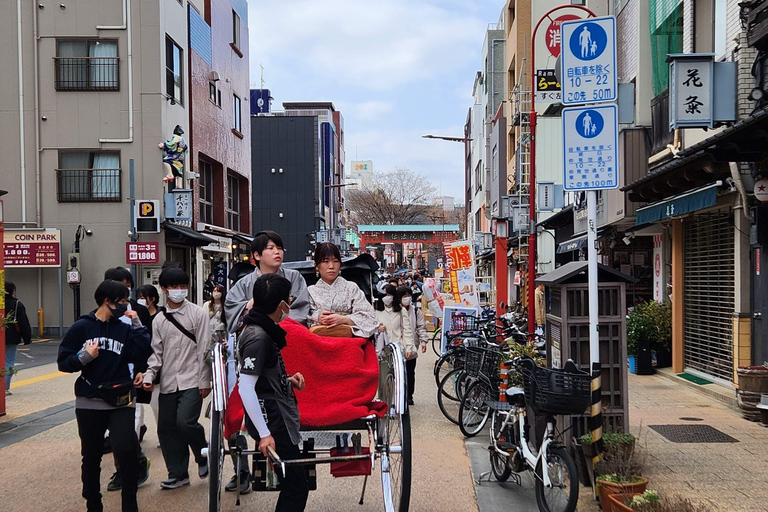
(341, 374)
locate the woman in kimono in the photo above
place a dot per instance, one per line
(338, 307)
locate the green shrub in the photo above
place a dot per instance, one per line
(651, 322)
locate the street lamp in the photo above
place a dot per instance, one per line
(74, 266)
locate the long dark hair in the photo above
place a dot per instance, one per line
(402, 292)
(391, 290)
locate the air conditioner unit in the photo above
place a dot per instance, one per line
(214, 76)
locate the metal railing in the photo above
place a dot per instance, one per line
(88, 185)
(87, 73)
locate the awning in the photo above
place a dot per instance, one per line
(486, 255)
(243, 239)
(574, 244)
(174, 233)
(676, 206)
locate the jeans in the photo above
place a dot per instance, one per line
(410, 376)
(178, 430)
(91, 425)
(10, 360)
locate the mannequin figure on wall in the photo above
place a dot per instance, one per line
(174, 151)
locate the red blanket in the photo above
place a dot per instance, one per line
(342, 376)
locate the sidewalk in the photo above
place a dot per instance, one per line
(721, 475)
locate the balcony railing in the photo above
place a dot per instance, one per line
(88, 185)
(661, 134)
(87, 73)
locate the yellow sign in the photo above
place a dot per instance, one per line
(146, 209)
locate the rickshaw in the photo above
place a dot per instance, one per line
(389, 432)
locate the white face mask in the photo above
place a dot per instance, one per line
(141, 302)
(177, 296)
(388, 300)
(216, 295)
(406, 301)
(283, 314)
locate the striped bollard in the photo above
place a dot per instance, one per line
(504, 382)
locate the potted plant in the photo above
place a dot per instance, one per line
(614, 444)
(620, 471)
(643, 330)
(661, 317)
(753, 382)
(650, 501)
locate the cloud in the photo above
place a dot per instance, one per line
(367, 110)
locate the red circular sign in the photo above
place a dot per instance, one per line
(552, 36)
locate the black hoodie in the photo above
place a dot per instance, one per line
(119, 344)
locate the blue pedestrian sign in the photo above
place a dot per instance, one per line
(588, 60)
(590, 144)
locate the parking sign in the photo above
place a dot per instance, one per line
(588, 60)
(590, 143)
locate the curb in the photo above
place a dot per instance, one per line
(721, 396)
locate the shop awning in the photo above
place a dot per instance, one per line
(676, 206)
(243, 239)
(175, 233)
(574, 244)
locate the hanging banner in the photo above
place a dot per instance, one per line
(461, 260)
(658, 296)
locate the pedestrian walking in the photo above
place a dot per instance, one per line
(208, 287)
(263, 380)
(100, 347)
(420, 337)
(17, 331)
(215, 310)
(394, 321)
(148, 297)
(180, 340)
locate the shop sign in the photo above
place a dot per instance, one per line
(691, 91)
(761, 191)
(461, 263)
(32, 249)
(221, 244)
(141, 253)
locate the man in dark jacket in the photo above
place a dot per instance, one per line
(100, 347)
(17, 330)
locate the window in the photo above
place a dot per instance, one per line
(233, 203)
(214, 95)
(235, 29)
(205, 184)
(236, 121)
(478, 179)
(85, 176)
(87, 65)
(173, 60)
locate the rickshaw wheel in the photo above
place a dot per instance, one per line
(396, 461)
(215, 461)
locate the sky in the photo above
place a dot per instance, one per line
(396, 69)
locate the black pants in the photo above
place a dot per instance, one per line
(410, 376)
(178, 430)
(294, 490)
(91, 425)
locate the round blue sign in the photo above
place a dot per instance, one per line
(588, 41)
(589, 124)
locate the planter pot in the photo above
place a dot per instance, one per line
(753, 379)
(632, 366)
(625, 490)
(616, 503)
(663, 355)
(581, 463)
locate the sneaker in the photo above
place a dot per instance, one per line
(174, 483)
(8, 392)
(142, 431)
(202, 468)
(245, 484)
(410, 401)
(115, 483)
(143, 471)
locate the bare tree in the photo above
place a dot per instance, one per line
(398, 197)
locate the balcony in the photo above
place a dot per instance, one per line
(88, 185)
(87, 73)
(661, 134)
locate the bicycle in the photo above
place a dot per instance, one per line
(551, 391)
(482, 366)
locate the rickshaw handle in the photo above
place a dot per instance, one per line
(276, 459)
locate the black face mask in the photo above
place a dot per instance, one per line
(119, 310)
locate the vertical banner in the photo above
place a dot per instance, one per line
(658, 296)
(462, 266)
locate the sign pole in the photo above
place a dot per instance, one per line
(595, 413)
(2, 309)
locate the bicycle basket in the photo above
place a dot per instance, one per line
(463, 322)
(482, 361)
(554, 390)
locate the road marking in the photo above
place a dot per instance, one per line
(35, 380)
(26, 355)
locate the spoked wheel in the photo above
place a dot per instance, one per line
(564, 493)
(437, 341)
(215, 460)
(450, 392)
(395, 454)
(473, 411)
(443, 366)
(499, 466)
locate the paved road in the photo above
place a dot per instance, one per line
(37, 353)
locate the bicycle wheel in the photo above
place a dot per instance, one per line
(449, 394)
(215, 461)
(443, 367)
(564, 493)
(437, 341)
(499, 466)
(473, 411)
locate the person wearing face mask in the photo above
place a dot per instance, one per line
(420, 337)
(215, 310)
(100, 347)
(266, 389)
(124, 275)
(394, 321)
(180, 340)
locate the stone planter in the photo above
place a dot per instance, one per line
(625, 490)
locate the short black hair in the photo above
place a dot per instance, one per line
(268, 291)
(10, 288)
(261, 241)
(111, 290)
(326, 250)
(148, 291)
(173, 276)
(119, 274)
(393, 280)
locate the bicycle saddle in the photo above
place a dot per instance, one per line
(515, 391)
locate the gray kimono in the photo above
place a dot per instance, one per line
(242, 292)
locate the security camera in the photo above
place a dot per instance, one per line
(130, 233)
(628, 239)
(88, 232)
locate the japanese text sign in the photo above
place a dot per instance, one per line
(32, 248)
(547, 86)
(461, 264)
(590, 142)
(589, 60)
(691, 91)
(140, 253)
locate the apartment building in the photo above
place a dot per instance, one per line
(102, 84)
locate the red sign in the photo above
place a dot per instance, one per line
(553, 33)
(139, 253)
(32, 248)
